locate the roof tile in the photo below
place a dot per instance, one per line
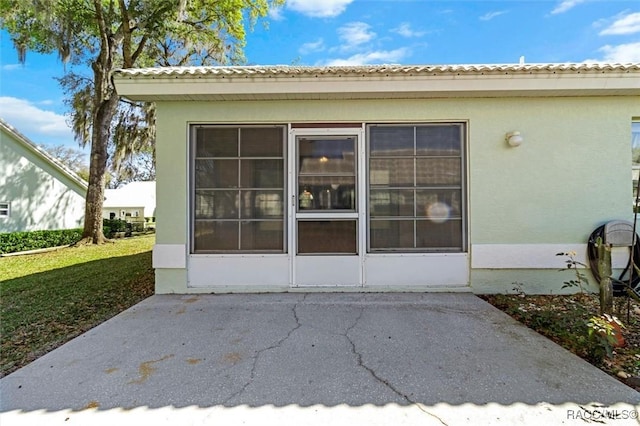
(303, 71)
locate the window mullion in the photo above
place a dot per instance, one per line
(415, 186)
(239, 193)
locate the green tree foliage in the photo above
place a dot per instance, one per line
(134, 168)
(106, 35)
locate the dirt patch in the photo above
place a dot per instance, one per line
(146, 369)
(232, 357)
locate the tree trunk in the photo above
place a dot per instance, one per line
(105, 103)
(101, 133)
(604, 270)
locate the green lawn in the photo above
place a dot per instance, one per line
(47, 299)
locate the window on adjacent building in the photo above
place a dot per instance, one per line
(635, 159)
(5, 209)
(238, 189)
(416, 187)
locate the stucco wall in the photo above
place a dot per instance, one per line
(570, 175)
(41, 197)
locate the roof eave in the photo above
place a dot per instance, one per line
(179, 87)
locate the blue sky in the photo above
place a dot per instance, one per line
(354, 32)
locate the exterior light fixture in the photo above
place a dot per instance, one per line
(514, 139)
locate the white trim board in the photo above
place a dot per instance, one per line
(535, 256)
(239, 271)
(416, 269)
(169, 256)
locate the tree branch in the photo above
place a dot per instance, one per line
(126, 35)
(128, 102)
(140, 49)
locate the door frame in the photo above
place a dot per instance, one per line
(292, 216)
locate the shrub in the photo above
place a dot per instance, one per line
(13, 242)
(137, 226)
(111, 226)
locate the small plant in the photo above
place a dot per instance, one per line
(572, 264)
(518, 288)
(605, 334)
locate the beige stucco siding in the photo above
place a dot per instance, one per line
(172, 183)
(570, 175)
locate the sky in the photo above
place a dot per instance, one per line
(358, 32)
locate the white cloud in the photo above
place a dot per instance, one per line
(319, 8)
(312, 46)
(275, 14)
(405, 30)
(374, 57)
(489, 16)
(39, 125)
(355, 34)
(566, 5)
(621, 53)
(12, 67)
(629, 24)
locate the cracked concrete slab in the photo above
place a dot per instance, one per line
(432, 358)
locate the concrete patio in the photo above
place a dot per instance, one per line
(317, 358)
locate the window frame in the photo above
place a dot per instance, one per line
(299, 174)
(463, 188)
(635, 166)
(240, 220)
(5, 209)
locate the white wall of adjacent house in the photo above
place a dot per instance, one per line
(35, 194)
(122, 212)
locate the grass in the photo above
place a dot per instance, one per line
(47, 299)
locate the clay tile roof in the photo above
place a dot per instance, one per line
(364, 70)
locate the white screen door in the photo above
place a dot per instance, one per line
(327, 216)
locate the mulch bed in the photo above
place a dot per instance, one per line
(563, 318)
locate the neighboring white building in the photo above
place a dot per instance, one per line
(37, 192)
(133, 200)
